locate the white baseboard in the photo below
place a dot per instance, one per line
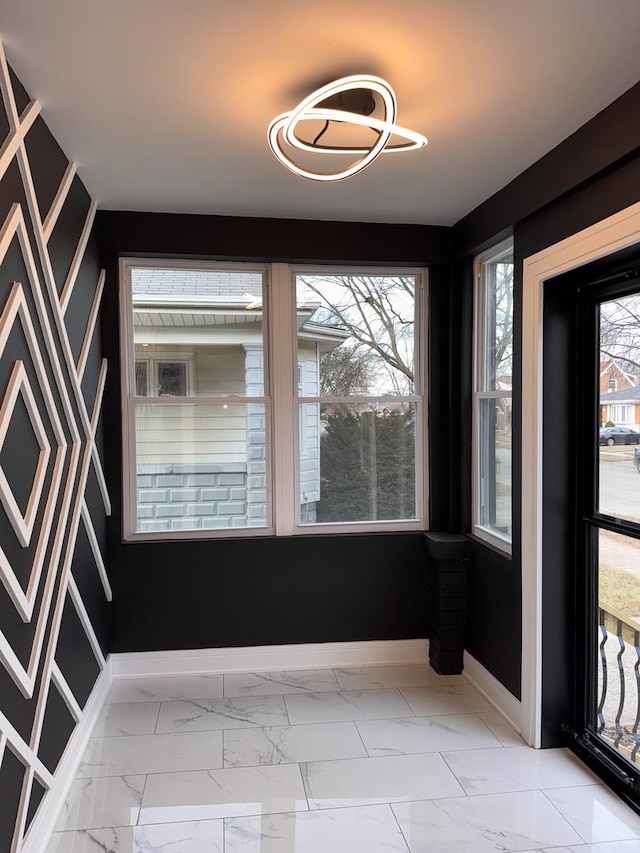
(43, 824)
(502, 700)
(266, 658)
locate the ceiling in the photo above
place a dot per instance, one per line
(164, 104)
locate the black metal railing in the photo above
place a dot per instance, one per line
(618, 712)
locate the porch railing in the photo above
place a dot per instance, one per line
(618, 713)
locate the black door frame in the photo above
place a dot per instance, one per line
(570, 476)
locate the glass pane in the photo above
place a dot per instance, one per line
(357, 463)
(142, 378)
(617, 714)
(200, 467)
(356, 334)
(619, 433)
(172, 379)
(498, 278)
(200, 331)
(494, 441)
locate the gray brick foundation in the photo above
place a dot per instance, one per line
(200, 497)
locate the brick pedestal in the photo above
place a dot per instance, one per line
(447, 566)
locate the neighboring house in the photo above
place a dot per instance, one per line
(198, 334)
(614, 378)
(621, 407)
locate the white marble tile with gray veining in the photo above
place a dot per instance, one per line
(369, 829)
(369, 781)
(424, 734)
(517, 768)
(453, 699)
(505, 733)
(119, 756)
(485, 824)
(279, 683)
(604, 847)
(287, 744)
(233, 792)
(346, 705)
(213, 714)
(196, 837)
(596, 813)
(98, 803)
(377, 677)
(128, 718)
(165, 688)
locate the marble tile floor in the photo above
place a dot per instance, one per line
(374, 759)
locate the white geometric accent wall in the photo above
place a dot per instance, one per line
(54, 585)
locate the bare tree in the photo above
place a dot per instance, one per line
(346, 370)
(378, 313)
(503, 337)
(620, 333)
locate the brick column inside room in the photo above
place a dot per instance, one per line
(447, 568)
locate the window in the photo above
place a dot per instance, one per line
(271, 399)
(612, 385)
(161, 376)
(622, 414)
(493, 379)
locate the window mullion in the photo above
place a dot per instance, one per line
(282, 383)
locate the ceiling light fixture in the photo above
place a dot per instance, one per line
(350, 100)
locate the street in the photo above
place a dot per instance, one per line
(619, 492)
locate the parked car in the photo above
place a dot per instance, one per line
(619, 435)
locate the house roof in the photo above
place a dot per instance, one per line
(151, 285)
(187, 299)
(626, 395)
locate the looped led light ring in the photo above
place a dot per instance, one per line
(285, 125)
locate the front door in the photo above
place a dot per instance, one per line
(607, 482)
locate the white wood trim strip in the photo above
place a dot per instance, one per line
(67, 290)
(22, 679)
(269, 658)
(39, 833)
(15, 138)
(78, 603)
(25, 793)
(93, 424)
(91, 325)
(67, 585)
(88, 430)
(50, 286)
(604, 238)
(14, 224)
(494, 692)
(24, 753)
(95, 456)
(54, 568)
(65, 691)
(95, 547)
(16, 306)
(19, 385)
(58, 203)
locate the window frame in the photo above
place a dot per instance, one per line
(282, 396)
(489, 534)
(167, 357)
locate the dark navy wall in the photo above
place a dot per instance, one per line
(265, 591)
(54, 626)
(591, 175)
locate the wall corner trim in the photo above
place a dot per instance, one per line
(502, 699)
(44, 822)
(265, 658)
